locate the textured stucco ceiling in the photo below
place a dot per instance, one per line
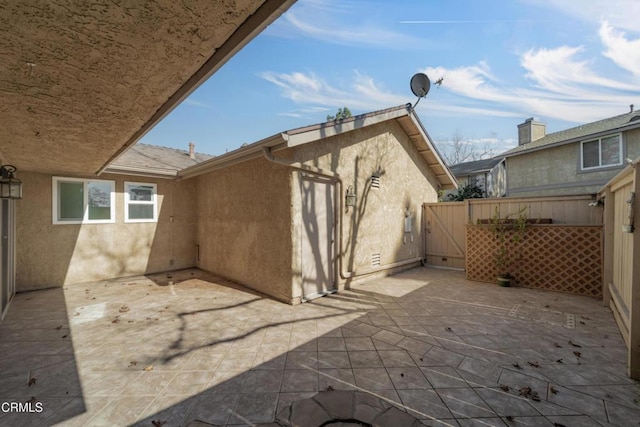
(80, 81)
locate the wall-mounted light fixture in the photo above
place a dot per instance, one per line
(350, 197)
(10, 186)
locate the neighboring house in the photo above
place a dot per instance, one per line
(293, 216)
(487, 174)
(575, 161)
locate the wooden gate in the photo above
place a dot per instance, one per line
(444, 233)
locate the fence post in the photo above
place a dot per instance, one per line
(634, 308)
(608, 240)
(467, 211)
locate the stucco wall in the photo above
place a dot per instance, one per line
(244, 225)
(556, 171)
(376, 224)
(50, 255)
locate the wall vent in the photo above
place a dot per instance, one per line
(375, 260)
(375, 182)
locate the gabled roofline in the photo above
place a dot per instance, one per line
(142, 171)
(431, 146)
(624, 128)
(306, 134)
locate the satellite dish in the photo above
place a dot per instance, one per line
(420, 86)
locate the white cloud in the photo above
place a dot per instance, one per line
(564, 86)
(625, 53)
(364, 94)
(621, 13)
(194, 103)
(341, 23)
(308, 89)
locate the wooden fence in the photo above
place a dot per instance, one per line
(622, 258)
(445, 223)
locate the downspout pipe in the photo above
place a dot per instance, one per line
(312, 170)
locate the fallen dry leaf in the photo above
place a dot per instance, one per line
(32, 380)
(577, 353)
(559, 361)
(158, 423)
(553, 390)
(133, 363)
(148, 368)
(524, 391)
(124, 309)
(517, 366)
(59, 327)
(329, 388)
(574, 344)
(534, 364)
(504, 387)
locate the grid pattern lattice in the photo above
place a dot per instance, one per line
(556, 258)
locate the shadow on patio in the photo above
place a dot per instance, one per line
(445, 350)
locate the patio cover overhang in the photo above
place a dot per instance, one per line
(81, 82)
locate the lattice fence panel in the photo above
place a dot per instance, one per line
(556, 258)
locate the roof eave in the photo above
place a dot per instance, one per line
(446, 179)
(576, 139)
(142, 171)
(243, 154)
(268, 12)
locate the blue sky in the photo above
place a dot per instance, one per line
(565, 62)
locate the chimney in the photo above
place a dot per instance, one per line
(631, 108)
(531, 130)
(192, 150)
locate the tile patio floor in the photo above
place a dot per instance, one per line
(447, 351)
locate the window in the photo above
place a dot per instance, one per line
(140, 202)
(602, 152)
(80, 201)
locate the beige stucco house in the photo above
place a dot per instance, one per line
(488, 174)
(80, 84)
(575, 161)
(310, 210)
(294, 216)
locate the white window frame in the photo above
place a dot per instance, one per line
(600, 165)
(85, 220)
(128, 201)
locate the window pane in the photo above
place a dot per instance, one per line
(590, 154)
(140, 211)
(140, 193)
(99, 196)
(70, 201)
(611, 150)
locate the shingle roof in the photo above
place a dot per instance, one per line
(629, 120)
(469, 168)
(163, 160)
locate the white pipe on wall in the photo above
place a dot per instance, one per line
(333, 176)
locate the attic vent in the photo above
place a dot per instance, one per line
(375, 260)
(375, 182)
